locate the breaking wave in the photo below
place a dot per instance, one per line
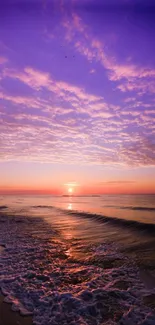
(3, 207)
(131, 208)
(133, 224)
(148, 227)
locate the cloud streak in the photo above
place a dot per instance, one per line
(128, 75)
(59, 134)
(96, 108)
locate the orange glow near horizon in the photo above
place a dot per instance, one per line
(115, 187)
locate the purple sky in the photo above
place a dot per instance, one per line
(77, 91)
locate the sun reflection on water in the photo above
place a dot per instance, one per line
(70, 207)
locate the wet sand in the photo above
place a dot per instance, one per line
(1, 249)
(9, 317)
(107, 275)
(147, 278)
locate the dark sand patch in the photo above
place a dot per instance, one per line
(1, 249)
(2, 207)
(149, 300)
(9, 317)
(147, 278)
(122, 285)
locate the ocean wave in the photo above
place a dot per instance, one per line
(74, 196)
(43, 206)
(2, 207)
(139, 208)
(137, 225)
(135, 208)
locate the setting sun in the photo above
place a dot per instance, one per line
(70, 190)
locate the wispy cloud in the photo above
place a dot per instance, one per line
(71, 184)
(128, 75)
(3, 60)
(57, 134)
(96, 119)
(120, 182)
(116, 182)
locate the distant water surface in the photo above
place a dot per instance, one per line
(129, 219)
(133, 207)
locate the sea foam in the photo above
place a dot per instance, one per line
(39, 278)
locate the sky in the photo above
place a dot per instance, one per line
(77, 96)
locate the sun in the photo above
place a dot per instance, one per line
(70, 190)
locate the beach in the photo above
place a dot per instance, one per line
(56, 270)
(77, 162)
(8, 317)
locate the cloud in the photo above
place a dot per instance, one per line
(92, 71)
(41, 139)
(141, 86)
(120, 182)
(129, 72)
(40, 80)
(105, 120)
(26, 101)
(127, 75)
(76, 98)
(117, 182)
(82, 129)
(71, 184)
(3, 60)
(129, 99)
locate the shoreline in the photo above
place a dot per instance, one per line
(10, 317)
(147, 278)
(41, 279)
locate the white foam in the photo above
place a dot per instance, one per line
(38, 278)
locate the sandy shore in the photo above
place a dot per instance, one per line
(9, 317)
(1, 249)
(147, 278)
(61, 288)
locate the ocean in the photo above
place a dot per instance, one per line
(79, 259)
